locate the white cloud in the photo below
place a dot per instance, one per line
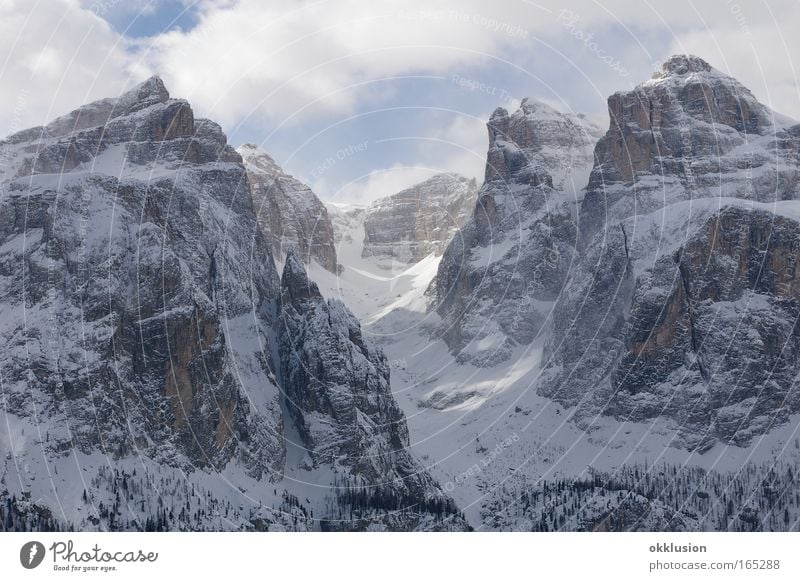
(251, 61)
(278, 60)
(458, 145)
(55, 58)
(461, 145)
(282, 62)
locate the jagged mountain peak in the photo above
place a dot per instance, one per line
(445, 178)
(259, 160)
(143, 253)
(151, 90)
(539, 144)
(145, 94)
(118, 136)
(529, 106)
(498, 113)
(534, 107)
(682, 69)
(682, 64)
(441, 186)
(536, 165)
(687, 126)
(116, 166)
(687, 87)
(681, 146)
(295, 284)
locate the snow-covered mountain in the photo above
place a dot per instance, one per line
(608, 342)
(683, 303)
(668, 292)
(295, 217)
(688, 132)
(500, 275)
(155, 369)
(410, 225)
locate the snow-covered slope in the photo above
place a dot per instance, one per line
(515, 460)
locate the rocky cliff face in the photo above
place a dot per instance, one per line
(420, 220)
(723, 342)
(337, 390)
(683, 305)
(295, 218)
(120, 273)
(666, 293)
(500, 274)
(538, 138)
(145, 327)
(689, 132)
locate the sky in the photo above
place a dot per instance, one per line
(361, 99)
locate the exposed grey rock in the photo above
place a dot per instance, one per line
(683, 305)
(539, 138)
(500, 274)
(410, 225)
(136, 276)
(718, 352)
(99, 113)
(337, 390)
(295, 218)
(687, 133)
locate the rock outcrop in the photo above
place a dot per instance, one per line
(500, 274)
(294, 216)
(410, 225)
(126, 274)
(538, 138)
(719, 351)
(337, 390)
(688, 132)
(667, 293)
(683, 305)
